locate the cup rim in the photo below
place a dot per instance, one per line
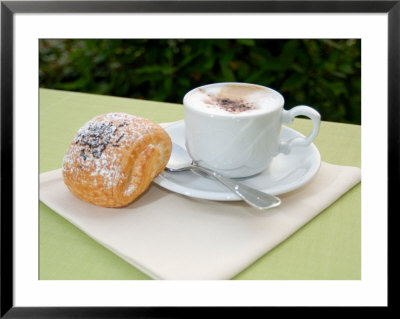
(280, 105)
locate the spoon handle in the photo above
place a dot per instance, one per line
(250, 195)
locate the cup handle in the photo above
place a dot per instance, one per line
(288, 117)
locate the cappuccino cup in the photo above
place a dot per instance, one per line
(234, 128)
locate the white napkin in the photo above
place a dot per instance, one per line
(170, 236)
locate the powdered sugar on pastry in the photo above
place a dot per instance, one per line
(114, 157)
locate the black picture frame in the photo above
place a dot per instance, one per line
(9, 8)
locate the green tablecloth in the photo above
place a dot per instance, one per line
(328, 247)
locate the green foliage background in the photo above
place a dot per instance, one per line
(325, 74)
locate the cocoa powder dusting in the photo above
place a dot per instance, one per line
(234, 106)
(232, 98)
(229, 105)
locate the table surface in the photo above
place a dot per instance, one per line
(326, 248)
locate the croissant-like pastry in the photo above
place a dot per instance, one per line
(114, 157)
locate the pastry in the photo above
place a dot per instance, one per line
(114, 157)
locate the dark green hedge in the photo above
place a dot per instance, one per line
(325, 74)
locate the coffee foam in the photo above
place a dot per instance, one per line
(233, 99)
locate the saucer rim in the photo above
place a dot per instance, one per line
(166, 183)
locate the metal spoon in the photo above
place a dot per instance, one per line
(181, 161)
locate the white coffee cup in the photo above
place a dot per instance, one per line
(234, 128)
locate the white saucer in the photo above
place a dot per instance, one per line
(286, 172)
